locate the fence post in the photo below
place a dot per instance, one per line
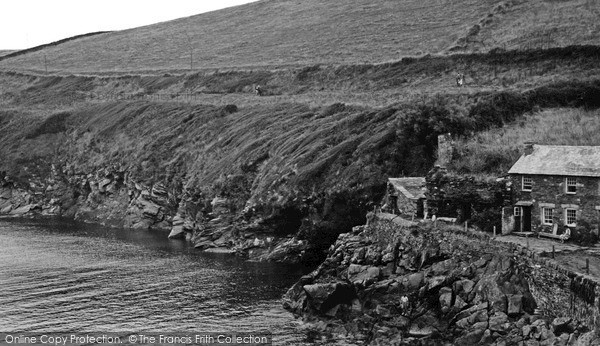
(552, 251)
(587, 265)
(494, 231)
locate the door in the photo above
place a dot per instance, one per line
(526, 219)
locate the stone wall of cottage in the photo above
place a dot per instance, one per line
(407, 206)
(404, 206)
(467, 198)
(550, 191)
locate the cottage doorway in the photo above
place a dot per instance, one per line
(526, 219)
(394, 205)
(523, 219)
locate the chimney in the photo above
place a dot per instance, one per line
(529, 148)
(445, 150)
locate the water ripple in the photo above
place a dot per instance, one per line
(63, 276)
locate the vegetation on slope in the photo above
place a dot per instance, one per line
(5, 52)
(312, 156)
(495, 151)
(407, 80)
(299, 33)
(312, 170)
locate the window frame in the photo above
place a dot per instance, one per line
(530, 183)
(544, 209)
(518, 211)
(574, 185)
(572, 224)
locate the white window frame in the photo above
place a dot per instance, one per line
(544, 209)
(572, 224)
(518, 211)
(573, 184)
(530, 181)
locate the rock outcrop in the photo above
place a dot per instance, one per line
(402, 283)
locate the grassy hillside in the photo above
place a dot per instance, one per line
(5, 52)
(341, 112)
(287, 32)
(495, 151)
(408, 80)
(321, 167)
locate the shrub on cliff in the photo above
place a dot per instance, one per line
(55, 123)
(498, 109)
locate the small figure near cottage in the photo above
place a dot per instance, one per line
(258, 90)
(566, 235)
(460, 80)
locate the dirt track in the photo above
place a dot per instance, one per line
(568, 255)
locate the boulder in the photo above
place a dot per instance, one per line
(562, 325)
(588, 339)
(358, 256)
(487, 289)
(515, 304)
(324, 297)
(459, 303)
(463, 287)
(159, 190)
(6, 193)
(363, 275)
(22, 210)
(6, 208)
(373, 255)
(498, 322)
(445, 299)
(414, 281)
(471, 338)
(177, 232)
(443, 267)
(148, 208)
(420, 332)
(219, 205)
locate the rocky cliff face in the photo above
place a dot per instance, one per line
(272, 179)
(111, 197)
(397, 282)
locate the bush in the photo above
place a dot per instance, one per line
(228, 109)
(567, 94)
(583, 234)
(53, 124)
(499, 109)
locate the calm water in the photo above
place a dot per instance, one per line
(57, 275)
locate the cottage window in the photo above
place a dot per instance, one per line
(527, 183)
(547, 216)
(518, 211)
(571, 185)
(571, 217)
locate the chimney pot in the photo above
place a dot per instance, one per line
(529, 147)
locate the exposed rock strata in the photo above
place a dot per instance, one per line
(395, 282)
(112, 198)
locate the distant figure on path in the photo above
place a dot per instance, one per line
(460, 80)
(258, 90)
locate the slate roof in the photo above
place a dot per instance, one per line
(412, 188)
(583, 161)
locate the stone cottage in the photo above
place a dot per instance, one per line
(554, 188)
(405, 196)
